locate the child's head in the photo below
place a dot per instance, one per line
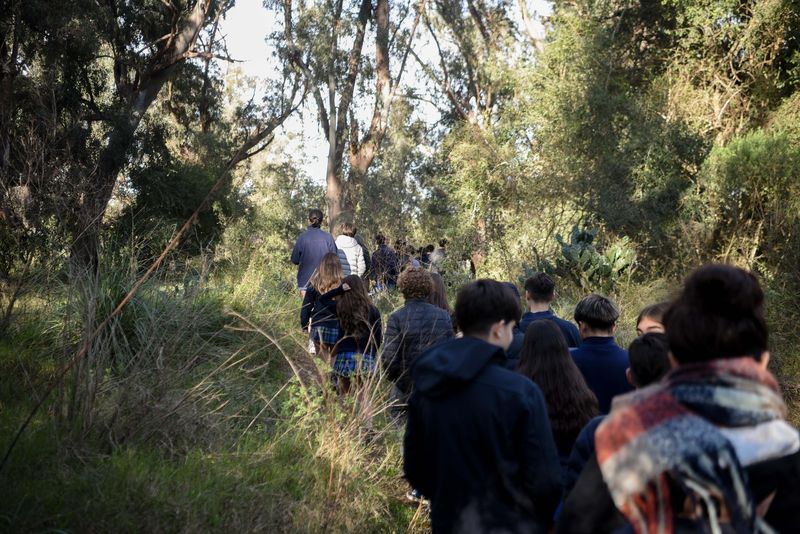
(544, 343)
(651, 319)
(512, 287)
(380, 239)
(329, 273)
(540, 288)
(649, 359)
(348, 229)
(596, 315)
(718, 314)
(415, 283)
(488, 310)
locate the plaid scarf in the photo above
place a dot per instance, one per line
(697, 429)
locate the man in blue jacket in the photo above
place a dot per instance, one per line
(309, 249)
(602, 362)
(478, 442)
(540, 290)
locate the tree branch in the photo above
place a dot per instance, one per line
(296, 60)
(353, 64)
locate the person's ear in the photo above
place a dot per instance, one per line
(764, 361)
(629, 376)
(494, 331)
(614, 328)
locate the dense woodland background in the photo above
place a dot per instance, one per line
(630, 143)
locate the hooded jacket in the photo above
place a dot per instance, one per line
(351, 254)
(478, 442)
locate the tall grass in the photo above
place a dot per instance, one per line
(199, 409)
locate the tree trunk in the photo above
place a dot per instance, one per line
(84, 252)
(333, 181)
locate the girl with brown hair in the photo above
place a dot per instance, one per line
(320, 316)
(360, 331)
(546, 360)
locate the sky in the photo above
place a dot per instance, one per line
(246, 26)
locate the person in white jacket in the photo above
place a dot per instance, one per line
(350, 252)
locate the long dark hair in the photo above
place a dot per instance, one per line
(438, 296)
(352, 308)
(546, 360)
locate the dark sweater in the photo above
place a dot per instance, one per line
(478, 442)
(590, 509)
(583, 450)
(320, 310)
(569, 330)
(603, 363)
(308, 251)
(384, 265)
(410, 331)
(514, 350)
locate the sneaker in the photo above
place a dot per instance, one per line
(414, 496)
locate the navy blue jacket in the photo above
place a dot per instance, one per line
(319, 310)
(569, 330)
(603, 363)
(583, 451)
(478, 442)
(514, 350)
(369, 342)
(308, 251)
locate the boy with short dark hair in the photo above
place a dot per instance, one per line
(540, 291)
(478, 442)
(649, 362)
(600, 359)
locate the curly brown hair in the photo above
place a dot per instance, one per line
(415, 283)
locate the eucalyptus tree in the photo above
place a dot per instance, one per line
(325, 41)
(83, 95)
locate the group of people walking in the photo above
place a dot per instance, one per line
(527, 422)
(380, 268)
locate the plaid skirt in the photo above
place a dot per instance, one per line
(325, 335)
(353, 363)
